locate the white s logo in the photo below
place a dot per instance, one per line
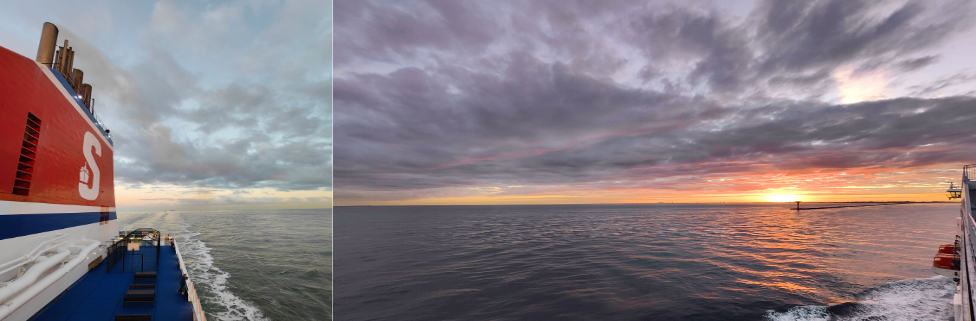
(90, 193)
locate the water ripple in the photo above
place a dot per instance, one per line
(629, 262)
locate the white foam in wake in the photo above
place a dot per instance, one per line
(918, 299)
(202, 271)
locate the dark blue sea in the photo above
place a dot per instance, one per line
(642, 262)
(253, 265)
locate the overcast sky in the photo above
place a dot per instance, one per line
(481, 102)
(214, 104)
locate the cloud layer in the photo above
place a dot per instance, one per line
(453, 99)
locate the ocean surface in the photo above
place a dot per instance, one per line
(253, 265)
(642, 262)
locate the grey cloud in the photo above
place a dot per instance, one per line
(723, 50)
(938, 86)
(398, 29)
(258, 130)
(214, 31)
(801, 138)
(535, 101)
(803, 35)
(916, 63)
(423, 117)
(235, 105)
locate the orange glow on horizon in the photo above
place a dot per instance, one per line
(596, 199)
(921, 184)
(782, 198)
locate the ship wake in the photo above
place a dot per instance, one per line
(917, 299)
(211, 282)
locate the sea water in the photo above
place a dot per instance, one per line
(253, 265)
(642, 262)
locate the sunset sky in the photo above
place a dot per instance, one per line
(212, 105)
(544, 102)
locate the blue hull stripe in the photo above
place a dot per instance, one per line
(17, 225)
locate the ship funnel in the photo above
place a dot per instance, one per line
(76, 84)
(62, 59)
(49, 39)
(59, 57)
(70, 64)
(86, 90)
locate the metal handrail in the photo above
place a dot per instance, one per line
(970, 230)
(198, 314)
(33, 254)
(98, 120)
(968, 171)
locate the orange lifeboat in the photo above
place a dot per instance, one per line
(946, 262)
(947, 249)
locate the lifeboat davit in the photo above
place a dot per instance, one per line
(946, 262)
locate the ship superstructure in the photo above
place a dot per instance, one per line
(958, 260)
(57, 198)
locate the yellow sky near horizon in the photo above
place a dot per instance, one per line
(622, 197)
(926, 184)
(172, 197)
(712, 198)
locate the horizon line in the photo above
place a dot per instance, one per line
(644, 203)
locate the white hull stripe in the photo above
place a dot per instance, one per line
(11, 207)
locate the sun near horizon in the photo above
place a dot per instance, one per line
(933, 193)
(925, 184)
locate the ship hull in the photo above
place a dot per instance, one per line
(963, 300)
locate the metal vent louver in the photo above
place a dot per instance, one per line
(28, 153)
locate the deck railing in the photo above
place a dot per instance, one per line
(191, 291)
(968, 172)
(120, 248)
(969, 263)
(116, 252)
(100, 123)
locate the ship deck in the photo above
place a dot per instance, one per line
(98, 295)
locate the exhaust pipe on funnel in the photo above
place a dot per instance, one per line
(70, 67)
(76, 84)
(49, 40)
(86, 96)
